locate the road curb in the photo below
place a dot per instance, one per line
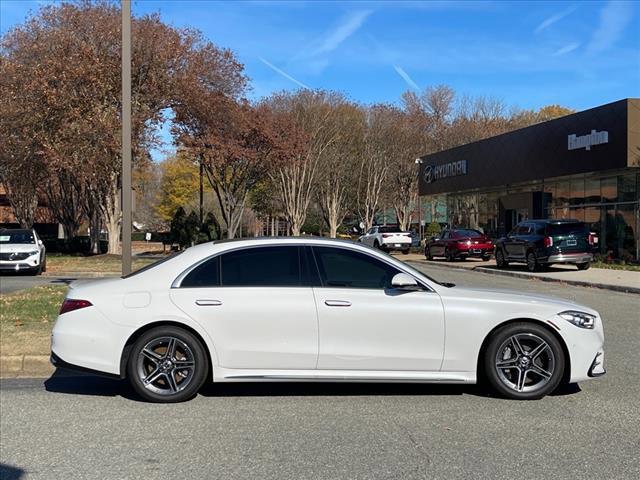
(505, 273)
(81, 274)
(14, 366)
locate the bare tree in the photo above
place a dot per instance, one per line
(304, 144)
(338, 165)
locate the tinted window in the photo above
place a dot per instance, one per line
(445, 234)
(468, 234)
(344, 268)
(388, 229)
(206, 274)
(261, 267)
(567, 228)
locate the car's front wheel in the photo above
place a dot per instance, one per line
(427, 253)
(501, 261)
(524, 361)
(583, 266)
(532, 262)
(167, 364)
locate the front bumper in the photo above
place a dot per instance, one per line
(570, 258)
(18, 267)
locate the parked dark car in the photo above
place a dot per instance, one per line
(540, 243)
(459, 243)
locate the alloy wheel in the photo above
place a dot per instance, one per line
(525, 363)
(166, 365)
(532, 263)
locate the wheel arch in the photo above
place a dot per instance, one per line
(483, 348)
(126, 350)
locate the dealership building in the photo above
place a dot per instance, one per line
(583, 166)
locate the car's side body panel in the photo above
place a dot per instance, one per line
(430, 336)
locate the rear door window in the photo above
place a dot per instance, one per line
(206, 274)
(277, 266)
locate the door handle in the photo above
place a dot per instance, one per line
(337, 303)
(208, 303)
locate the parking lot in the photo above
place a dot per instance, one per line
(89, 427)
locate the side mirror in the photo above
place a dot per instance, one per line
(39, 242)
(402, 280)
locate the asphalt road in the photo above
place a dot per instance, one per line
(87, 427)
(14, 283)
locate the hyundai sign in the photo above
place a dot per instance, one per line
(436, 172)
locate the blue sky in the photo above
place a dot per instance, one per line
(579, 54)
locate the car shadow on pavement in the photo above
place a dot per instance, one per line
(7, 472)
(77, 383)
(523, 269)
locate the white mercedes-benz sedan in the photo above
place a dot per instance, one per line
(305, 309)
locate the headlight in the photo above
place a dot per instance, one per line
(34, 252)
(579, 319)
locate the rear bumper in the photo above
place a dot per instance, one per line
(57, 362)
(475, 251)
(396, 246)
(570, 258)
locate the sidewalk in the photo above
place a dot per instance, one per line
(609, 279)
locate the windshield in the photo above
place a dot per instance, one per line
(17, 236)
(152, 265)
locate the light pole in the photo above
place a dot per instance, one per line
(418, 163)
(126, 137)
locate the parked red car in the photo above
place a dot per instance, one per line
(459, 243)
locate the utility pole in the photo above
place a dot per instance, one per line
(126, 137)
(420, 230)
(201, 201)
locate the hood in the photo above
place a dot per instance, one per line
(524, 299)
(18, 247)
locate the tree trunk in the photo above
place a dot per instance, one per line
(95, 225)
(111, 212)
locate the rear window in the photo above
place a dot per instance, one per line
(468, 234)
(388, 229)
(567, 228)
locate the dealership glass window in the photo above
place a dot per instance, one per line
(577, 191)
(626, 232)
(591, 190)
(563, 194)
(577, 214)
(627, 191)
(609, 189)
(592, 219)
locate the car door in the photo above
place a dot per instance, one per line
(439, 244)
(512, 244)
(364, 324)
(255, 306)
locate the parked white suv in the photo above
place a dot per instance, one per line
(22, 250)
(387, 238)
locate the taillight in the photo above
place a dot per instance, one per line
(548, 241)
(387, 235)
(71, 304)
(593, 239)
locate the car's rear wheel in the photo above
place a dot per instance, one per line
(501, 261)
(486, 258)
(427, 253)
(376, 244)
(532, 262)
(449, 255)
(167, 364)
(405, 252)
(524, 361)
(583, 266)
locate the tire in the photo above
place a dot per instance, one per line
(44, 264)
(501, 261)
(532, 262)
(486, 258)
(513, 372)
(427, 254)
(449, 255)
(376, 245)
(405, 252)
(156, 367)
(583, 266)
